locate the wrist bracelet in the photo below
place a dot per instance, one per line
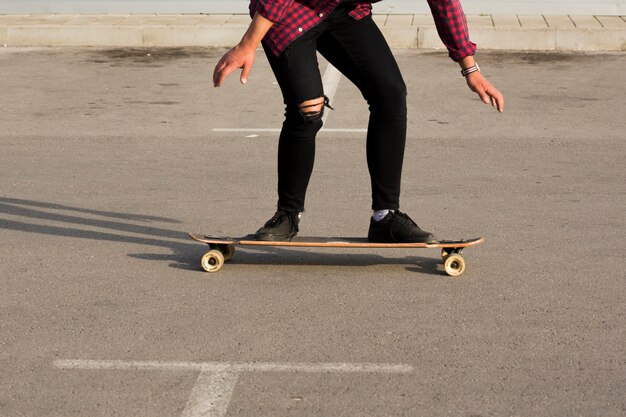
(469, 70)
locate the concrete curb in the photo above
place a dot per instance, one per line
(538, 33)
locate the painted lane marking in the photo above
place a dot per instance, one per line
(330, 80)
(211, 394)
(273, 130)
(213, 389)
(232, 366)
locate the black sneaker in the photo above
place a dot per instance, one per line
(282, 227)
(397, 227)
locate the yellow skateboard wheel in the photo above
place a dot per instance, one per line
(212, 261)
(454, 264)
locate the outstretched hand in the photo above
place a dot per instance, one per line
(237, 57)
(487, 92)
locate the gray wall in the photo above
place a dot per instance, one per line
(558, 7)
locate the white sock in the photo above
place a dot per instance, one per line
(378, 215)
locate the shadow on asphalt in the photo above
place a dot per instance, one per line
(272, 256)
(184, 255)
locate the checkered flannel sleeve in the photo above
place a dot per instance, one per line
(273, 10)
(452, 28)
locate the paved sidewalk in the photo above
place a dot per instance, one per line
(503, 32)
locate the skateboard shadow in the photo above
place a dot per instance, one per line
(278, 256)
(75, 222)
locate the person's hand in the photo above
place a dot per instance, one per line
(487, 92)
(238, 57)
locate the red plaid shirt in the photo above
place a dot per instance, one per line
(292, 18)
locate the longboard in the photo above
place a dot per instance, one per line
(223, 248)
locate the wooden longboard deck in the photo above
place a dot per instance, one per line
(333, 242)
(223, 248)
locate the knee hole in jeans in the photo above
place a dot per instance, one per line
(312, 110)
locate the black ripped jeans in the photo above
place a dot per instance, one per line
(360, 52)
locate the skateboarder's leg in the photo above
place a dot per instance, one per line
(360, 52)
(300, 81)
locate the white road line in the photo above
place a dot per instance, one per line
(233, 366)
(270, 130)
(330, 80)
(236, 130)
(211, 394)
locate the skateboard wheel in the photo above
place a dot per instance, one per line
(454, 265)
(212, 261)
(228, 251)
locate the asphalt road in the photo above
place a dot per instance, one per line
(108, 158)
